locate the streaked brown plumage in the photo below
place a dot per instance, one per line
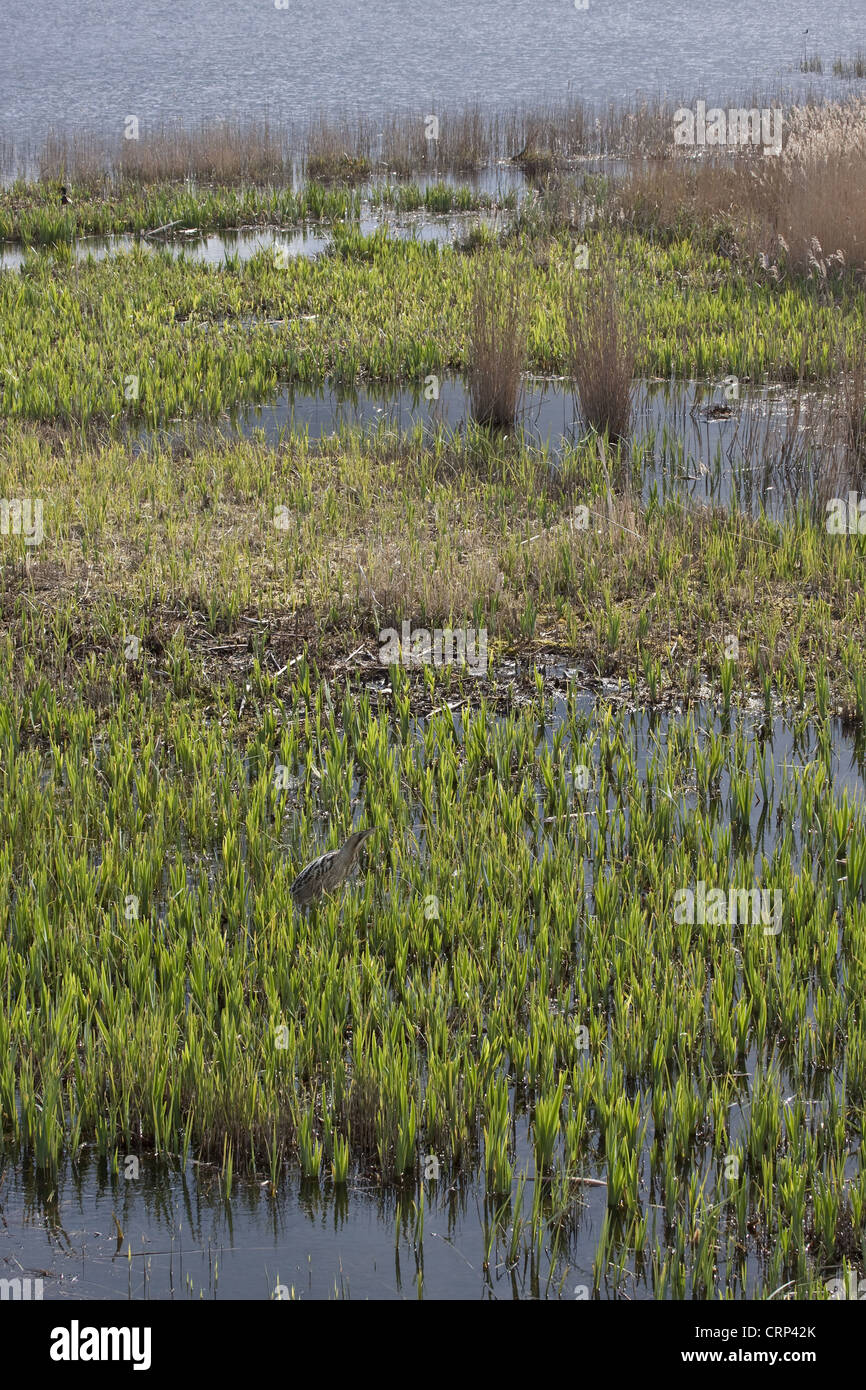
(327, 872)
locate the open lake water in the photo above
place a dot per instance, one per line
(90, 63)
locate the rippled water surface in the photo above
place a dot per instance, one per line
(90, 63)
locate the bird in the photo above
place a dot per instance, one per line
(65, 200)
(327, 872)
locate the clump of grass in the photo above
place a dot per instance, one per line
(338, 150)
(850, 67)
(562, 204)
(476, 238)
(498, 331)
(467, 139)
(436, 198)
(536, 162)
(547, 143)
(229, 151)
(602, 346)
(812, 62)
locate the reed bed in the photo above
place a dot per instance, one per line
(851, 67)
(812, 62)
(227, 151)
(801, 212)
(814, 196)
(438, 141)
(539, 136)
(334, 146)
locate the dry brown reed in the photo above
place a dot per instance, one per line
(803, 210)
(338, 149)
(498, 332)
(602, 346)
(226, 152)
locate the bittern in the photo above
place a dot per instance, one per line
(326, 873)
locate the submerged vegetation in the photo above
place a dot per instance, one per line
(539, 987)
(609, 956)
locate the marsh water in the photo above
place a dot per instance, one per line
(156, 1229)
(756, 447)
(762, 450)
(310, 240)
(89, 64)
